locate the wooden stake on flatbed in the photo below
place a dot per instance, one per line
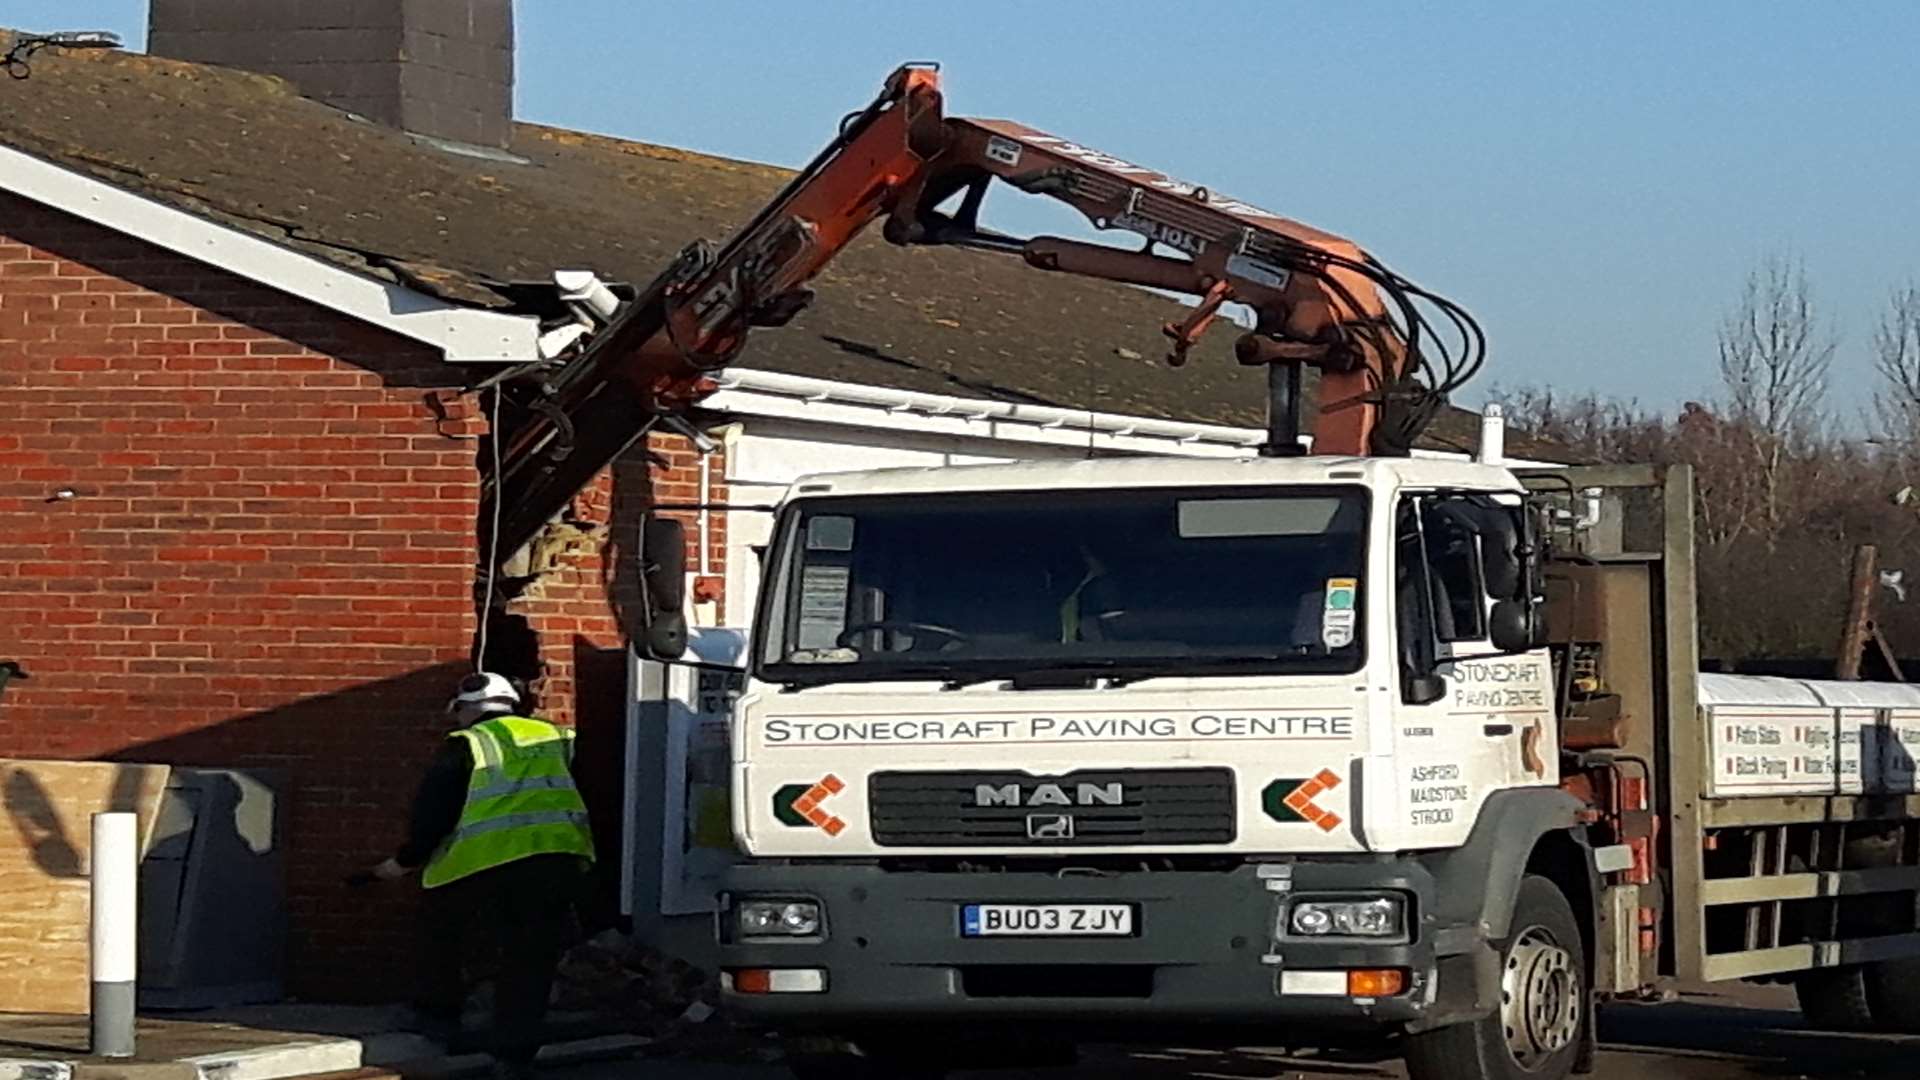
(1859, 626)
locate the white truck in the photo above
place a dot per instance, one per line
(1291, 748)
(1302, 751)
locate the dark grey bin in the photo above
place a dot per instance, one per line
(212, 904)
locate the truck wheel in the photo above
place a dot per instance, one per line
(1536, 1033)
(1835, 999)
(1893, 995)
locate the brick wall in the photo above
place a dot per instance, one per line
(678, 482)
(266, 558)
(590, 599)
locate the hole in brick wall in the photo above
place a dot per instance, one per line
(513, 650)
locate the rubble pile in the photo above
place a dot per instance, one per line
(640, 989)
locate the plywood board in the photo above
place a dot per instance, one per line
(44, 862)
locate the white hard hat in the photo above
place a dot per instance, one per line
(485, 690)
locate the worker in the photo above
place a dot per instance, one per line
(500, 835)
(1079, 618)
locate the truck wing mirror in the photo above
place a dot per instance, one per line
(1423, 689)
(663, 576)
(1515, 626)
(1500, 561)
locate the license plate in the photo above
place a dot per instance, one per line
(1046, 920)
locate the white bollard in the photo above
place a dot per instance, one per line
(114, 957)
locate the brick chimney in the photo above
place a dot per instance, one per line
(442, 68)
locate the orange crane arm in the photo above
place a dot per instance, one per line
(652, 359)
(1318, 301)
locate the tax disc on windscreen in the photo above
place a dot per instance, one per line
(1339, 615)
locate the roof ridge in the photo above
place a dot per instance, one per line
(552, 133)
(303, 174)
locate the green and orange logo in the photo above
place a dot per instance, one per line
(1290, 801)
(798, 805)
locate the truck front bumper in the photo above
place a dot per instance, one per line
(1204, 950)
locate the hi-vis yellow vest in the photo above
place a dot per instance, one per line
(520, 802)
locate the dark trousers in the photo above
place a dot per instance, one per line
(525, 907)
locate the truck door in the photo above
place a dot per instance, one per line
(1470, 721)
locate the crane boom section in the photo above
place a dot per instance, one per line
(1318, 300)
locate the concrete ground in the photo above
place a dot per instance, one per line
(64, 1038)
(1753, 1036)
(273, 1042)
(1740, 1034)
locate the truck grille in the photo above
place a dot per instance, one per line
(1092, 808)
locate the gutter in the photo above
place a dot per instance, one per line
(801, 397)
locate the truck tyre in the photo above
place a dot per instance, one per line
(1537, 1031)
(1835, 999)
(1893, 995)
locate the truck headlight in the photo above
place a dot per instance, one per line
(763, 919)
(1376, 917)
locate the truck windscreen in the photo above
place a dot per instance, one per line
(1127, 583)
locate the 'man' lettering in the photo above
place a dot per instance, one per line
(1084, 794)
(1004, 795)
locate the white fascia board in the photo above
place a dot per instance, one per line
(461, 333)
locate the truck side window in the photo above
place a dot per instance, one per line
(1453, 552)
(1412, 594)
(1438, 547)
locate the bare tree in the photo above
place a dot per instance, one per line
(1612, 431)
(1783, 492)
(1762, 595)
(1595, 428)
(1775, 351)
(1896, 355)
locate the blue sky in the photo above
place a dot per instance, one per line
(1592, 183)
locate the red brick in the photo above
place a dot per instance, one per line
(208, 449)
(278, 547)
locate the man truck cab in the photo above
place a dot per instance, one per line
(1062, 748)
